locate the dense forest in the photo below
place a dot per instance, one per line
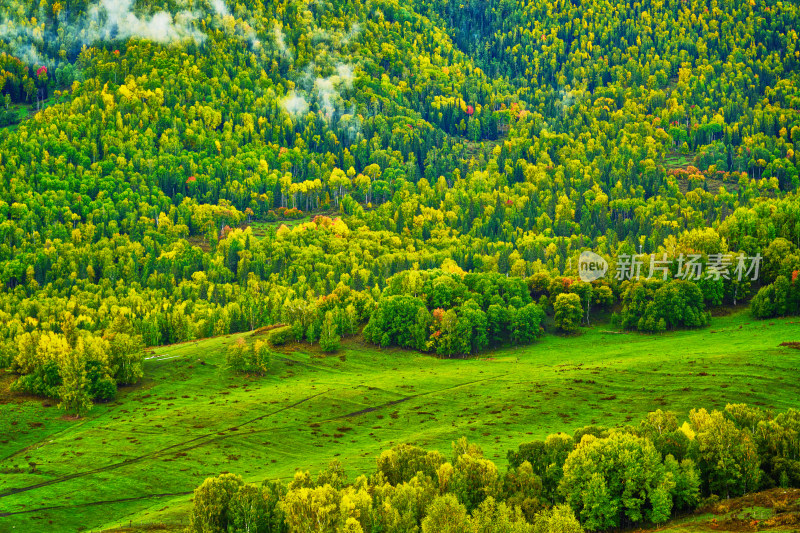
(422, 175)
(428, 171)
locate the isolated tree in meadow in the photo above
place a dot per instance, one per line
(237, 355)
(568, 311)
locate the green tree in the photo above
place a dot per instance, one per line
(726, 456)
(615, 479)
(568, 311)
(312, 509)
(74, 390)
(546, 459)
(446, 515)
(497, 517)
(126, 357)
(557, 519)
(392, 323)
(211, 503)
(526, 323)
(329, 339)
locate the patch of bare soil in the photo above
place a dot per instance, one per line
(793, 344)
(737, 515)
(266, 329)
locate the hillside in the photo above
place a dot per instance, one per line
(517, 265)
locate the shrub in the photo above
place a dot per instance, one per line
(43, 381)
(256, 359)
(280, 336)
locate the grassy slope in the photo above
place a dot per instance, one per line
(137, 459)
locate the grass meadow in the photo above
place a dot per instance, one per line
(137, 459)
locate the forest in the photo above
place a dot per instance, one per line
(421, 176)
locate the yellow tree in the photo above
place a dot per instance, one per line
(73, 392)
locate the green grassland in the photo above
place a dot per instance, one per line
(678, 160)
(137, 459)
(260, 228)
